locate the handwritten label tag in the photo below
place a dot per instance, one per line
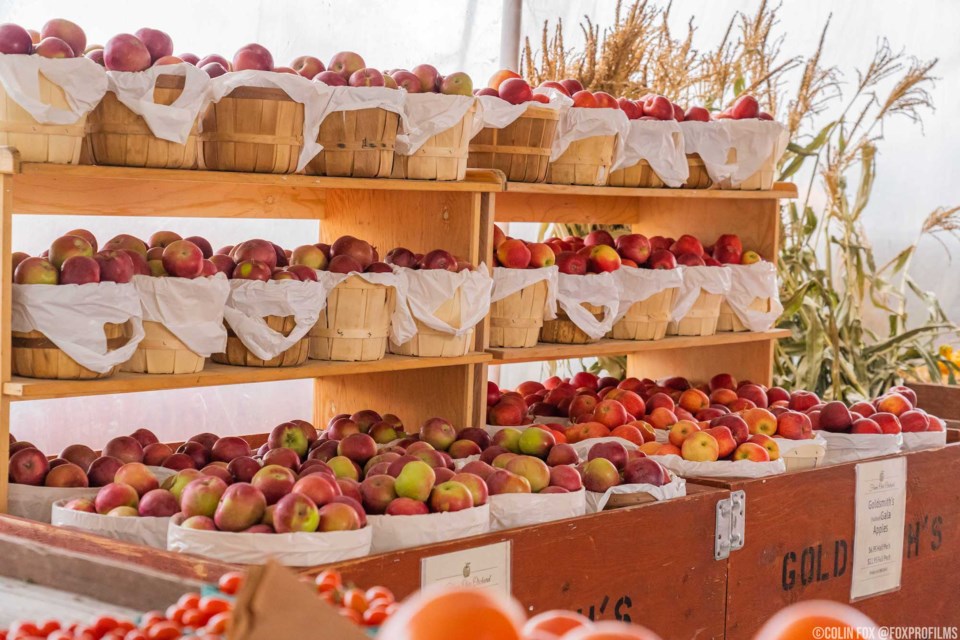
(487, 567)
(878, 538)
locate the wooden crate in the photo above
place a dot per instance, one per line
(358, 143)
(34, 355)
(442, 157)
(162, 352)
(238, 355)
(355, 324)
(521, 150)
(515, 321)
(54, 143)
(940, 400)
(585, 162)
(799, 544)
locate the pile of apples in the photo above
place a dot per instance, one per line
(513, 253)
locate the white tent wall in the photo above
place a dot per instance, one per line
(914, 174)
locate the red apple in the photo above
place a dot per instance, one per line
(158, 43)
(80, 270)
(67, 31)
(366, 77)
(745, 107)
(346, 63)
(15, 39)
(252, 56)
(307, 66)
(515, 91)
(53, 48)
(429, 77)
(125, 52)
(697, 113)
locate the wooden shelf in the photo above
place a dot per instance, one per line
(545, 351)
(779, 190)
(220, 374)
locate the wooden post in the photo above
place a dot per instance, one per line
(9, 164)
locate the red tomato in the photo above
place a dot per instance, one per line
(355, 599)
(230, 582)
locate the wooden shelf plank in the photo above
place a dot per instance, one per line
(779, 190)
(545, 351)
(218, 374)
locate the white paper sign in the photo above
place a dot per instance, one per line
(487, 566)
(878, 538)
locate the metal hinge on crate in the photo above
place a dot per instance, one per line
(731, 516)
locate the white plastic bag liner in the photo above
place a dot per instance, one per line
(599, 289)
(755, 141)
(149, 531)
(83, 82)
(510, 510)
(635, 284)
(289, 549)
(191, 309)
(428, 289)
(658, 142)
(662, 435)
(722, 468)
(402, 326)
(750, 281)
(696, 279)
(72, 317)
(850, 447)
(36, 503)
(251, 300)
(314, 96)
(583, 447)
(577, 123)
(168, 122)
(401, 532)
(426, 115)
(508, 281)
(497, 113)
(919, 440)
(677, 487)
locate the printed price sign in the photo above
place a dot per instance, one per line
(487, 567)
(878, 539)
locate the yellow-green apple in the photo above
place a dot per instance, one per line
(541, 255)
(514, 254)
(888, 422)
(751, 451)
(682, 430)
(339, 516)
(700, 447)
(457, 84)
(15, 39)
(566, 477)
(158, 503)
(450, 496)
(274, 482)
(389, 82)
(344, 467)
(500, 462)
(123, 512)
(115, 266)
(515, 91)
(295, 513)
(536, 442)
(176, 483)
(377, 493)
(125, 52)
(768, 443)
(138, 476)
(760, 421)
(366, 77)
(415, 480)
(69, 32)
(508, 438)
(794, 425)
(533, 469)
(866, 425)
(612, 451)
(116, 495)
(645, 471)
(725, 440)
(201, 496)
(307, 66)
(438, 433)
(599, 475)
(345, 63)
(36, 271)
(397, 465)
(310, 256)
(750, 257)
(407, 507)
(502, 481)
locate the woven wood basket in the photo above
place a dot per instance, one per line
(252, 129)
(699, 178)
(357, 144)
(623, 500)
(702, 318)
(761, 180)
(442, 157)
(162, 352)
(639, 175)
(646, 319)
(564, 331)
(730, 321)
(429, 343)
(355, 324)
(36, 142)
(585, 162)
(521, 149)
(237, 353)
(516, 320)
(117, 136)
(35, 356)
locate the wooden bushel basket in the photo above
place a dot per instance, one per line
(699, 178)
(516, 320)
(521, 149)
(564, 331)
(702, 318)
(355, 324)
(35, 356)
(730, 321)
(639, 175)
(119, 137)
(809, 456)
(237, 353)
(253, 129)
(162, 352)
(442, 157)
(623, 500)
(761, 180)
(585, 162)
(429, 343)
(356, 144)
(646, 319)
(36, 142)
